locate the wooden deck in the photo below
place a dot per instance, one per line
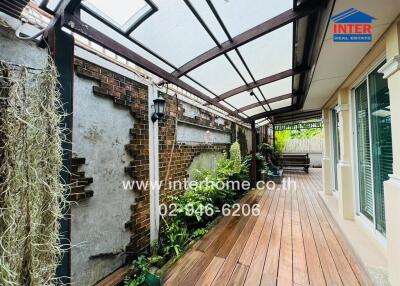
(294, 241)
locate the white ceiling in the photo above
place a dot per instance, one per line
(337, 60)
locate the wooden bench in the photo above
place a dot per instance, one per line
(294, 161)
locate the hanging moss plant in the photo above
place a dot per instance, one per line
(31, 193)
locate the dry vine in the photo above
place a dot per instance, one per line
(31, 192)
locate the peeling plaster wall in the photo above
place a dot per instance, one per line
(20, 52)
(100, 131)
(207, 160)
(192, 134)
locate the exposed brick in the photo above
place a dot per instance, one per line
(132, 95)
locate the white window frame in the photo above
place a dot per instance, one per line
(371, 225)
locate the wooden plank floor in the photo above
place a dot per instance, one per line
(294, 241)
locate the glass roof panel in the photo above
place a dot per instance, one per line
(196, 86)
(255, 111)
(218, 75)
(227, 105)
(242, 15)
(206, 14)
(269, 54)
(238, 63)
(262, 120)
(88, 19)
(243, 99)
(174, 33)
(281, 103)
(277, 88)
(120, 13)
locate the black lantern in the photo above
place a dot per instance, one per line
(159, 109)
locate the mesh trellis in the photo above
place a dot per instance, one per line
(31, 192)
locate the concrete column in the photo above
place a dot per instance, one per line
(344, 168)
(391, 71)
(154, 176)
(326, 153)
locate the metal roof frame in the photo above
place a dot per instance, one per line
(68, 13)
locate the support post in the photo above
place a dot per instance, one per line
(273, 135)
(344, 166)
(327, 156)
(253, 154)
(62, 51)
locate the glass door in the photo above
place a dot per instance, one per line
(365, 185)
(381, 142)
(374, 146)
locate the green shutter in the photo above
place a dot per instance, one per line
(364, 152)
(381, 142)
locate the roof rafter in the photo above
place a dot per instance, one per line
(261, 82)
(268, 101)
(249, 35)
(76, 25)
(274, 112)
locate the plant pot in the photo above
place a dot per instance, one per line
(152, 279)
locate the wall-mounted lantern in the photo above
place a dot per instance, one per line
(159, 109)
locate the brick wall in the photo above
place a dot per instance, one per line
(129, 94)
(183, 154)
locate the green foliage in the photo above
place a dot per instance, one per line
(280, 140)
(241, 138)
(176, 238)
(260, 162)
(191, 213)
(265, 149)
(192, 217)
(199, 233)
(226, 168)
(140, 270)
(235, 156)
(306, 133)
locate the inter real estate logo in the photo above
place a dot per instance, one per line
(352, 26)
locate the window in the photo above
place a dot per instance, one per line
(374, 146)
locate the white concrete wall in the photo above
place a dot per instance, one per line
(311, 146)
(98, 223)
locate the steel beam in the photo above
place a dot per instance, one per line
(76, 25)
(61, 47)
(268, 101)
(253, 154)
(274, 112)
(249, 35)
(261, 82)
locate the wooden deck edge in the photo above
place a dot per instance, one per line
(115, 277)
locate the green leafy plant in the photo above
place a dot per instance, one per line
(140, 270)
(176, 238)
(199, 233)
(235, 156)
(260, 161)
